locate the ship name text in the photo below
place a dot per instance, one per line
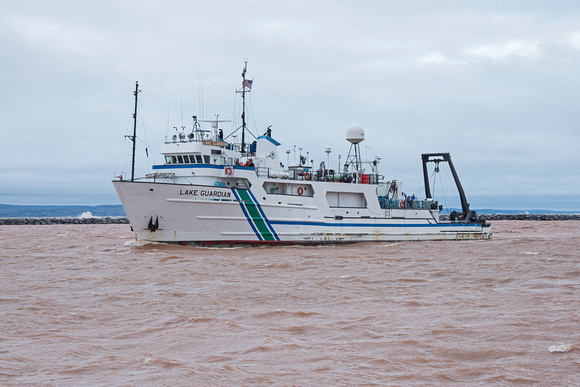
(205, 193)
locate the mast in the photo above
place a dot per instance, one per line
(246, 87)
(134, 137)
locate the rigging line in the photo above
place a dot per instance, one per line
(151, 117)
(434, 193)
(181, 97)
(146, 143)
(127, 158)
(433, 180)
(253, 116)
(422, 189)
(443, 194)
(119, 158)
(451, 183)
(235, 113)
(201, 112)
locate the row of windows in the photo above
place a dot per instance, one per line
(187, 159)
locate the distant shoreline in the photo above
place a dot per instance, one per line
(14, 221)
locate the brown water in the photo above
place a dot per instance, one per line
(86, 304)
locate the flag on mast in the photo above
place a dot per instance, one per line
(248, 83)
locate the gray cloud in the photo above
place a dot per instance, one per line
(495, 84)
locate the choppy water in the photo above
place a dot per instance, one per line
(85, 304)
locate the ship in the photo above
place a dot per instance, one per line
(213, 190)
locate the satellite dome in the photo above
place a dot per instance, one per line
(355, 134)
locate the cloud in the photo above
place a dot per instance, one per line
(503, 51)
(439, 59)
(478, 79)
(52, 35)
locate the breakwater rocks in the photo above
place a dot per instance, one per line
(124, 220)
(67, 220)
(489, 217)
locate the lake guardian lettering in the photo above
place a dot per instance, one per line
(203, 192)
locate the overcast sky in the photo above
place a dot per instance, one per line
(495, 83)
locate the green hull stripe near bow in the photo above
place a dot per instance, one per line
(255, 216)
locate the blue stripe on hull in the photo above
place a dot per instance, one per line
(299, 223)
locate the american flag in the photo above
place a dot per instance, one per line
(247, 83)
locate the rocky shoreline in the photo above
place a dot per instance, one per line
(124, 220)
(64, 220)
(529, 217)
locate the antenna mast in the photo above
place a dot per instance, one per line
(246, 87)
(134, 137)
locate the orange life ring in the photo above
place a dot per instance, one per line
(306, 175)
(402, 204)
(229, 170)
(300, 191)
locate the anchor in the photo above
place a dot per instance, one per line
(153, 226)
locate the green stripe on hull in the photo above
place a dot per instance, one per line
(255, 215)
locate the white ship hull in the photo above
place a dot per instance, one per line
(211, 190)
(198, 214)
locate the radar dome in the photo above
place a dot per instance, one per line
(355, 134)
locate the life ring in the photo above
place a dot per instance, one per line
(300, 191)
(306, 176)
(402, 204)
(229, 170)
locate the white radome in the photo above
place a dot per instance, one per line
(355, 133)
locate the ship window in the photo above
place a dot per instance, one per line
(346, 199)
(230, 161)
(186, 159)
(180, 159)
(167, 159)
(199, 159)
(192, 159)
(206, 158)
(173, 160)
